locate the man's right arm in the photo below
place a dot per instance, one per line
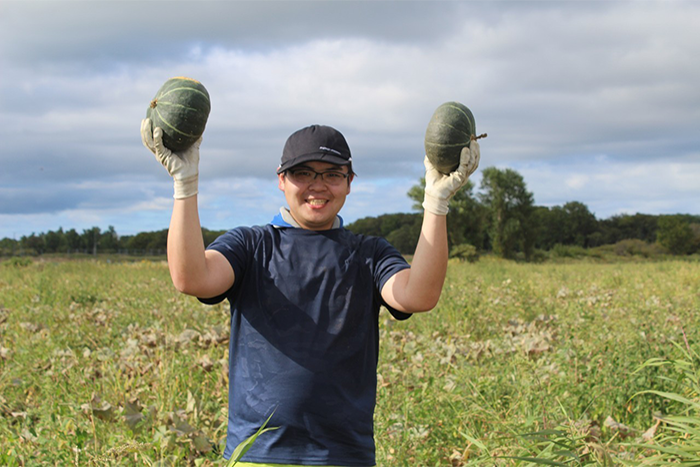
(194, 270)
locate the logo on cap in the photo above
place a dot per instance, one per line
(323, 148)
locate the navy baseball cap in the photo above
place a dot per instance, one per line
(315, 143)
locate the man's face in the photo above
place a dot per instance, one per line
(315, 204)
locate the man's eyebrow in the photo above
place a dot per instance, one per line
(330, 169)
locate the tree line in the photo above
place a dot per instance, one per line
(93, 241)
(500, 218)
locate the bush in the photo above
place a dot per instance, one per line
(539, 256)
(465, 252)
(568, 251)
(17, 261)
(676, 234)
(635, 247)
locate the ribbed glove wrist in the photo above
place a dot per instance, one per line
(436, 205)
(186, 187)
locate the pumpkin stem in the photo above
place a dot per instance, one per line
(483, 135)
(154, 102)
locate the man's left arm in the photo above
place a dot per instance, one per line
(418, 288)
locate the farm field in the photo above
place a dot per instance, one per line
(104, 363)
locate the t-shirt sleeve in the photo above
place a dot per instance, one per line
(388, 261)
(235, 246)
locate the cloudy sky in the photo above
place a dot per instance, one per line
(591, 101)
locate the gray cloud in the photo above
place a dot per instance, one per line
(45, 197)
(108, 31)
(567, 91)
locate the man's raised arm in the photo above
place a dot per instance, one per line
(418, 288)
(193, 270)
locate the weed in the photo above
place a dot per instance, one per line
(519, 364)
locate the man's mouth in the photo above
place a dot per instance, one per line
(317, 202)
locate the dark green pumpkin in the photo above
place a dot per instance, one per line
(181, 108)
(450, 129)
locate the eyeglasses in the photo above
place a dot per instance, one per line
(306, 176)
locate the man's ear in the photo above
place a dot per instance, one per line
(281, 181)
(350, 179)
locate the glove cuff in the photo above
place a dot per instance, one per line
(438, 206)
(186, 187)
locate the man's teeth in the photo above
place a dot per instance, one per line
(317, 202)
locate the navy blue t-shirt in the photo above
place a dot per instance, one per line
(304, 341)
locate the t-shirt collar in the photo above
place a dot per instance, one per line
(284, 219)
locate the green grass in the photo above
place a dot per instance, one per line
(520, 364)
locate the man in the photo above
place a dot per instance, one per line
(305, 296)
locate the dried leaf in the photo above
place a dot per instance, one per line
(101, 409)
(622, 429)
(149, 340)
(31, 327)
(651, 432)
(456, 459)
(215, 335)
(132, 413)
(187, 335)
(202, 444)
(29, 436)
(450, 385)
(179, 423)
(206, 363)
(104, 354)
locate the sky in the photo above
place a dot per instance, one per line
(590, 101)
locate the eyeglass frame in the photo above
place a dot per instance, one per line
(292, 170)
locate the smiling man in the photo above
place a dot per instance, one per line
(315, 175)
(305, 296)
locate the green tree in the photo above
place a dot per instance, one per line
(33, 243)
(73, 240)
(675, 234)
(549, 226)
(367, 226)
(405, 238)
(8, 246)
(402, 230)
(511, 212)
(90, 239)
(695, 227)
(109, 240)
(626, 226)
(147, 242)
(55, 241)
(571, 224)
(579, 224)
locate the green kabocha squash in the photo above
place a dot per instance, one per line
(181, 108)
(450, 129)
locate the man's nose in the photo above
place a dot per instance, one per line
(317, 182)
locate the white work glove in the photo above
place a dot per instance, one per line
(182, 166)
(440, 188)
